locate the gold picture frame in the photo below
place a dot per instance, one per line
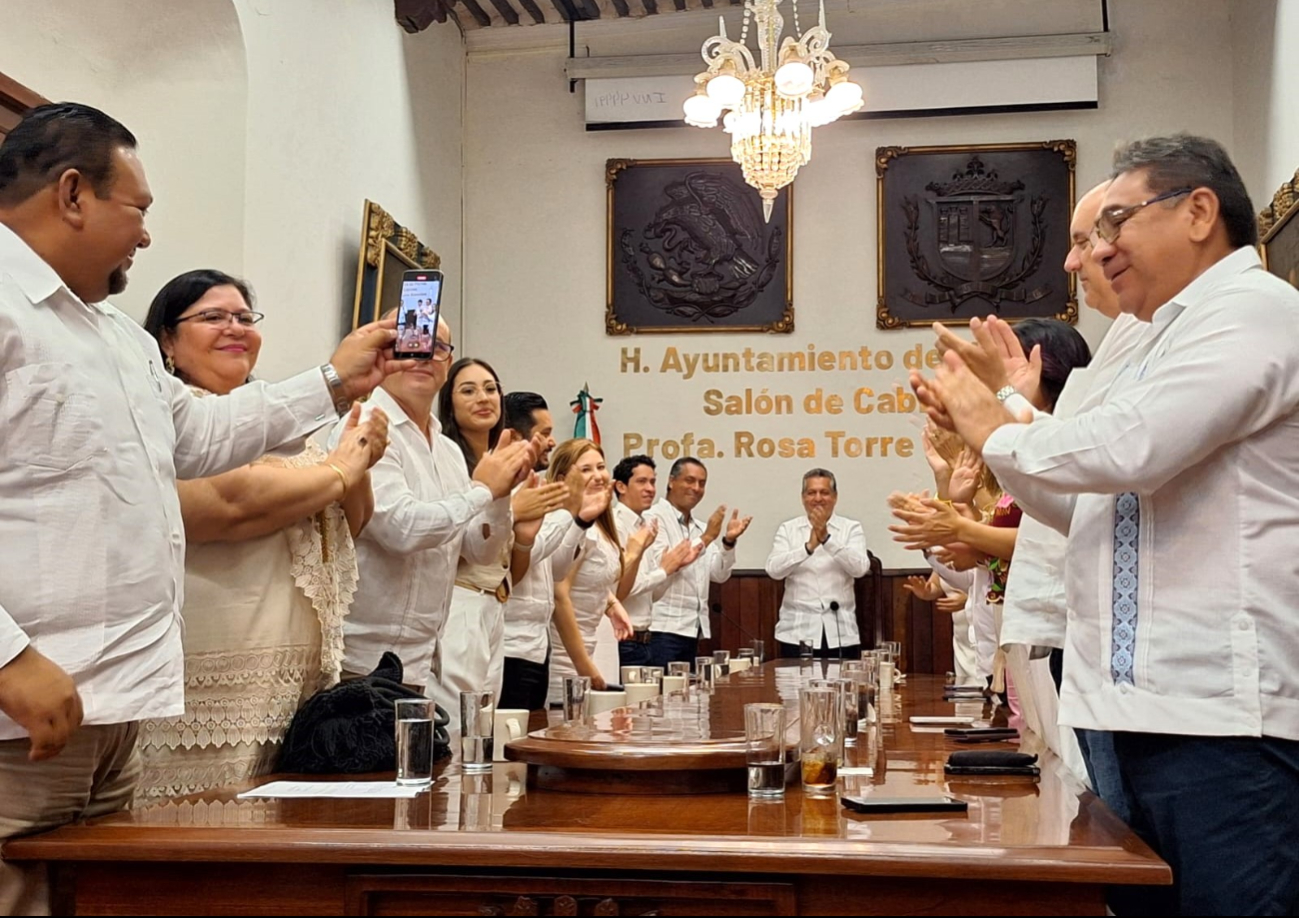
(1278, 231)
(387, 250)
(1010, 189)
(723, 289)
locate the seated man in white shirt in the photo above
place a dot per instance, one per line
(427, 511)
(819, 555)
(679, 617)
(1181, 504)
(94, 433)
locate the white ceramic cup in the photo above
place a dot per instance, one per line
(606, 701)
(641, 691)
(674, 684)
(739, 664)
(511, 724)
(625, 673)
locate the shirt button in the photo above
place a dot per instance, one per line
(1126, 688)
(1244, 625)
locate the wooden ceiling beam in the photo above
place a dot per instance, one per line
(533, 10)
(480, 16)
(622, 8)
(591, 8)
(508, 13)
(417, 15)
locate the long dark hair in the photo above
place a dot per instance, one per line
(447, 411)
(182, 292)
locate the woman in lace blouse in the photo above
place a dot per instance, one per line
(269, 570)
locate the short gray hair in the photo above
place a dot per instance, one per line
(1187, 161)
(821, 473)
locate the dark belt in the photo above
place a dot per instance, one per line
(639, 637)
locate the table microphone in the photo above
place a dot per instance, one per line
(838, 633)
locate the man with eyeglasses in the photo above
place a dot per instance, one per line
(428, 510)
(93, 435)
(1182, 517)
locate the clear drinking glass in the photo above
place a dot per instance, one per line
(477, 721)
(577, 699)
(764, 742)
(805, 650)
(851, 711)
(679, 669)
(414, 734)
(821, 748)
(758, 651)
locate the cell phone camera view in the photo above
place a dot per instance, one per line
(417, 317)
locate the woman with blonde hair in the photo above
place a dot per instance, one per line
(586, 594)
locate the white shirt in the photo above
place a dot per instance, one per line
(813, 581)
(93, 434)
(532, 601)
(426, 511)
(1035, 609)
(639, 603)
(1202, 424)
(681, 600)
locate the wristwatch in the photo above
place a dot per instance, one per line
(342, 404)
(1006, 392)
(729, 543)
(583, 524)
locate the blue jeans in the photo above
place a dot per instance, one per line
(634, 653)
(1097, 747)
(1221, 810)
(668, 648)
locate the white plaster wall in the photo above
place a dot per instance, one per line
(342, 106)
(535, 250)
(173, 74)
(1264, 36)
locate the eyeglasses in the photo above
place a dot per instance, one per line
(442, 351)
(217, 318)
(1111, 219)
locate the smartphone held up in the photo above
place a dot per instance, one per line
(417, 317)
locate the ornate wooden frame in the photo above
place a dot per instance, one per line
(1277, 218)
(385, 244)
(613, 325)
(884, 157)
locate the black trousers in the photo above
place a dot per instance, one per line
(525, 684)
(1221, 810)
(824, 652)
(668, 648)
(634, 653)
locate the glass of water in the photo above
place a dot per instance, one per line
(764, 746)
(414, 741)
(577, 699)
(477, 722)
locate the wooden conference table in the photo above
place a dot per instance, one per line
(495, 845)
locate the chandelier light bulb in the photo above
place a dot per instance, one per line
(726, 90)
(701, 111)
(819, 111)
(793, 79)
(729, 121)
(845, 97)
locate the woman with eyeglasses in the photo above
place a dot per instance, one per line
(270, 567)
(470, 653)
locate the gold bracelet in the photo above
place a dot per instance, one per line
(342, 476)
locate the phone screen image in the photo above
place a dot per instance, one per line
(417, 317)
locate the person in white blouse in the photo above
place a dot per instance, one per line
(819, 555)
(93, 436)
(427, 512)
(679, 617)
(1181, 503)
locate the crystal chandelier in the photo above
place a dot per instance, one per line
(771, 109)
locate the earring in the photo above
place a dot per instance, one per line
(169, 364)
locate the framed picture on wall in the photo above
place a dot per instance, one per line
(1278, 231)
(387, 249)
(967, 231)
(689, 251)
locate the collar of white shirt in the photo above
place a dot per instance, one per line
(1200, 289)
(37, 280)
(397, 415)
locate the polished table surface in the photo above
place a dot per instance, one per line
(1049, 831)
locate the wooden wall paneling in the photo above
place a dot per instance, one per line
(15, 101)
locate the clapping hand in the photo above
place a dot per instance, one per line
(506, 465)
(639, 540)
(995, 355)
(965, 478)
(923, 588)
(714, 527)
(680, 555)
(534, 500)
(735, 528)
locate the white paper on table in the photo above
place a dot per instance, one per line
(376, 790)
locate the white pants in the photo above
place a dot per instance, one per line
(470, 654)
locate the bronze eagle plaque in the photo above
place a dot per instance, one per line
(969, 231)
(688, 250)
